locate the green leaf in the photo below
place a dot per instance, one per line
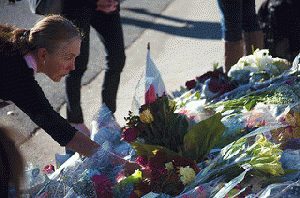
(197, 95)
(202, 137)
(134, 178)
(250, 104)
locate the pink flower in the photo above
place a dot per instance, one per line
(183, 112)
(191, 84)
(102, 186)
(202, 191)
(48, 169)
(130, 134)
(142, 160)
(150, 95)
(289, 82)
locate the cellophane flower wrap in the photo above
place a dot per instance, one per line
(85, 177)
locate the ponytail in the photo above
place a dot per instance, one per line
(13, 41)
(47, 33)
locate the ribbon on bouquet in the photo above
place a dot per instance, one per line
(149, 86)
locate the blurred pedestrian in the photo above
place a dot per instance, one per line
(11, 165)
(240, 29)
(104, 17)
(279, 20)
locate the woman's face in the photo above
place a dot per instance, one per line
(58, 64)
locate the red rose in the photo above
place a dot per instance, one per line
(191, 84)
(130, 134)
(142, 160)
(48, 169)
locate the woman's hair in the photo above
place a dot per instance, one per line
(11, 163)
(47, 33)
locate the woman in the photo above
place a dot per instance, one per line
(50, 47)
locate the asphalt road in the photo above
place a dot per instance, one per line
(136, 16)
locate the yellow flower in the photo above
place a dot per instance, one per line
(169, 166)
(187, 175)
(146, 116)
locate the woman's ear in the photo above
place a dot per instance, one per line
(41, 55)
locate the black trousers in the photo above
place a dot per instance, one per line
(109, 28)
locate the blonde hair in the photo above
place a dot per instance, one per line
(47, 33)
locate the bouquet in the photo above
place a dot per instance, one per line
(157, 124)
(158, 127)
(168, 175)
(258, 67)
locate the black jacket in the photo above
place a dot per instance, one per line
(19, 86)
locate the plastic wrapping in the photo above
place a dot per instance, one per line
(282, 190)
(107, 132)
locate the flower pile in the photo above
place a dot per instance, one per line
(169, 175)
(241, 142)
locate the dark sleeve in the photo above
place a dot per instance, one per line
(21, 88)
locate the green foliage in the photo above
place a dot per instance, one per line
(202, 137)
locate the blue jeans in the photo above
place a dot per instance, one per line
(108, 26)
(237, 17)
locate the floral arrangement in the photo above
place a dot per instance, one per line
(157, 124)
(168, 175)
(158, 127)
(258, 67)
(291, 121)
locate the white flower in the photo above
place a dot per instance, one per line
(187, 175)
(259, 61)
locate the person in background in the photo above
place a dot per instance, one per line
(11, 165)
(104, 17)
(240, 29)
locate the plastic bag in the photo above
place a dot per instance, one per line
(282, 190)
(75, 177)
(149, 86)
(105, 127)
(107, 132)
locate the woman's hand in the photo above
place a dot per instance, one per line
(82, 128)
(107, 6)
(82, 144)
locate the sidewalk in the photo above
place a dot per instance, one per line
(185, 42)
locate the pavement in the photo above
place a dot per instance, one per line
(185, 42)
